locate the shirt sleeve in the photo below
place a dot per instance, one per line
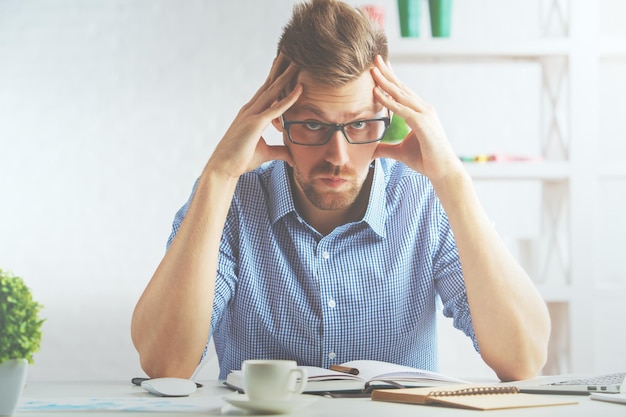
(450, 283)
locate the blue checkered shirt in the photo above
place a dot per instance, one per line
(368, 290)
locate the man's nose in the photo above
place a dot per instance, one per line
(337, 149)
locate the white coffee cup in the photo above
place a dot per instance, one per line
(273, 380)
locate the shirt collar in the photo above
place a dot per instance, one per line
(376, 215)
(281, 202)
(280, 192)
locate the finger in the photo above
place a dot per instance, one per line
(398, 93)
(280, 65)
(276, 71)
(269, 94)
(386, 70)
(278, 107)
(396, 107)
(386, 78)
(287, 79)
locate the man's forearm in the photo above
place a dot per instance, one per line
(510, 318)
(171, 321)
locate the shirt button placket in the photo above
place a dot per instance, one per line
(329, 317)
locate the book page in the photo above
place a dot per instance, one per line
(369, 370)
(376, 370)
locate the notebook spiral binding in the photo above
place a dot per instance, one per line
(475, 391)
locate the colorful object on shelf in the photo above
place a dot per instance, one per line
(498, 157)
(409, 12)
(376, 12)
(440, 12)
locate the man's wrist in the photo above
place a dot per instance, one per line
(215, 173)
(454, 188)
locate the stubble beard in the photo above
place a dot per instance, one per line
(329, 199)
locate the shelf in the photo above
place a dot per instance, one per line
(406, 49)
(553, 171)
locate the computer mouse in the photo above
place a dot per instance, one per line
(169, 387)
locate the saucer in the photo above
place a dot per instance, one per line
(294, 403)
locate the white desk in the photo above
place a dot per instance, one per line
(210, 398)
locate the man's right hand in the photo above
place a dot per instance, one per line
(243, 147)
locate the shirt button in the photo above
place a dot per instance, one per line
(331, 303)
(325, 255)
(332, 355)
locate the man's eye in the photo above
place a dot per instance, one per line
(358, 125)
(314, 125)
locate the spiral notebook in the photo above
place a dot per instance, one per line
(473, 397)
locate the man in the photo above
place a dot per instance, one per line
(335, 246)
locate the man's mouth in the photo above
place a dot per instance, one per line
(333, 182)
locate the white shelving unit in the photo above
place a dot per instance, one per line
(543, 171)
(442, 48)
(570, 170)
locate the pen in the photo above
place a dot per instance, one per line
(344, 369)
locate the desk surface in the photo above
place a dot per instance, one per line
(208, 401)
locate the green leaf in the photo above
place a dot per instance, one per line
(20, 324)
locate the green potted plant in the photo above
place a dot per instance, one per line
(20, 338)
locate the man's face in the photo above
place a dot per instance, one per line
(331, 176)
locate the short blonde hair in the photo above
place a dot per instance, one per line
(332, 41)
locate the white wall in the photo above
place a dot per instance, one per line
(109, 110)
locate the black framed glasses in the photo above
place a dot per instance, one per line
(313, 133)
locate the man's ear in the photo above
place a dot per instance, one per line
(278, 124)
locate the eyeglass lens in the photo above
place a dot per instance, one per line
(315, 133)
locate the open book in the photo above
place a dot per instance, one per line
(475, 397)
(370, 372)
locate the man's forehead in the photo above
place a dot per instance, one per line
(306, 78)
(354, 96)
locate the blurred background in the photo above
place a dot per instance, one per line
(109, 110)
